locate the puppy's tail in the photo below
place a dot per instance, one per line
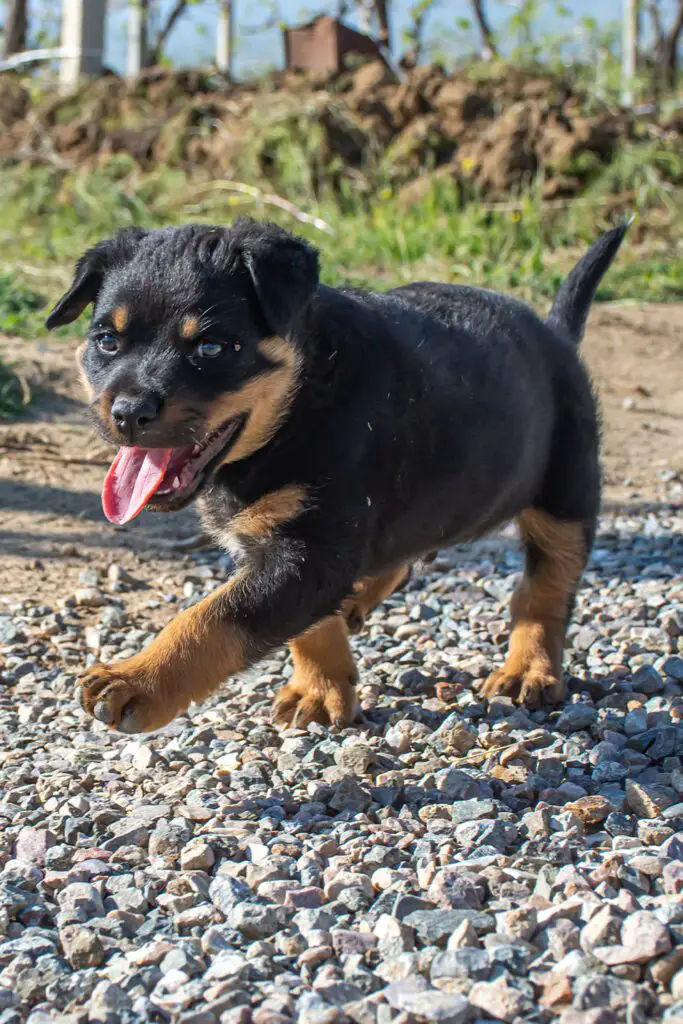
(573, 301)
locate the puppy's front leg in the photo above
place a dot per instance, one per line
(231, 629)
(323, 687)
(187, 661)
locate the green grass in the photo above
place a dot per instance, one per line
(48, 218)
(19, 304)
(11, 398)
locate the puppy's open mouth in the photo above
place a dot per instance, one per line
(162, 478)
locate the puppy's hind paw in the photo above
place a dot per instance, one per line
(534, 686)
(297, 706)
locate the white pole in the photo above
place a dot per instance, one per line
(629, 50)
(83, 36)
(136, 56)
(225, 42)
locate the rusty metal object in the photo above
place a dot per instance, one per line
(324, 44)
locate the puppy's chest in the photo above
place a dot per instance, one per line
(246, 528)
(220, 516)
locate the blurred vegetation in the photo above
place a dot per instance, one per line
(48, 217)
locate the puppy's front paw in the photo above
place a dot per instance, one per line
(298, 704)
(533, 684)
(126, 697)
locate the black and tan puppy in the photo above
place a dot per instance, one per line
(331, 437)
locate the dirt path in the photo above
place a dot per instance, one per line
(52, 465)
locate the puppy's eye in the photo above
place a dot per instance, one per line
(107, 343)
(208, 349)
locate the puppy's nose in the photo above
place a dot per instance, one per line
(133, 413)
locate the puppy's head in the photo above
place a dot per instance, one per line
(191, 358)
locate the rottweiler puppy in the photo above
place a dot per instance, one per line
(330, 437)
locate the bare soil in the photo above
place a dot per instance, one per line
(52, 464)
(495, 134)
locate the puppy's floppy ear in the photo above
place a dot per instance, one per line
(89, 274)
(283, 269)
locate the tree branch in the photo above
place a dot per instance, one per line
(670, 53)
(175, 13)
(414, 35)
(656, 18)
(272, 21)
(383, 35)
(490, 49)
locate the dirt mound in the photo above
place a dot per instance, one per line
(491, 135)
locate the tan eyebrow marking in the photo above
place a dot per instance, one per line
(190, 327)
(119, 318)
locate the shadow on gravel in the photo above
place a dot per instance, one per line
(49, 545)
(41, 498)
(77, 506)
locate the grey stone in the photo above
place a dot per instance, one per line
(355, 758)
(349, 795)
(253, 921)
(472, 810)
(466, 962)
(226, 892)
(484, 833)
(435, 926)
(673, 667)
(457, 785)
(106, 1000)
(647, 680)
(576, 717)
(415, 996)
(83, 899)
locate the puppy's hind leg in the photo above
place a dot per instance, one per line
(557, 533)
(370, 592)
(555, 553)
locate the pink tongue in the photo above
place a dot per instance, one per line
(133, 477)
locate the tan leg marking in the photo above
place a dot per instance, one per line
(370, 592)
(532, 673)
(186, 662)
(262, 518)
(322, 688)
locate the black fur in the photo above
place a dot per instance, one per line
(572, 303)
(423, 416)
(90, 272)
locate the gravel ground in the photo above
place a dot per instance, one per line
(444, 861)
